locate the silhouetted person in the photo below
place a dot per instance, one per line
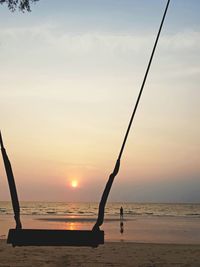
(121, 213)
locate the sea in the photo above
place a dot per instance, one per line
(111, 210)
(142, 222)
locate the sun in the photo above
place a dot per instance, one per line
(74, 183)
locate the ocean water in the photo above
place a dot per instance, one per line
(143, 222)
(112, 209)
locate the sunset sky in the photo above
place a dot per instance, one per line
(70, 72)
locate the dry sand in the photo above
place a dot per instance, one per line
(110, 254)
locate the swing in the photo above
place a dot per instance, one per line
(46, 237)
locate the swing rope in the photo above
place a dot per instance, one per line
(106, 192)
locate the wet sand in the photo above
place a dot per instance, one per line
(171, 230)
(110, 254)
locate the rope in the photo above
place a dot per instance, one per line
(143, 83)
(12, 186)
(112, 176)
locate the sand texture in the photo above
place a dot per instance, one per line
(110, 254)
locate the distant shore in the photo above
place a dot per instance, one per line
(111, 254)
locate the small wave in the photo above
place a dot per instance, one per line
(78, 219)
(132, 213)
(166, 215)
(193, 214)
(2, 210)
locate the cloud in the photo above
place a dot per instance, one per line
(185, 40)
(48, 50)
(51, 35)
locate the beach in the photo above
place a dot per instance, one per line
(155, 235)
(110, 254)
(146, 242)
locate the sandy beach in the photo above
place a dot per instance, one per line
(110, 254)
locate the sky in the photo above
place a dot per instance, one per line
(70, 74)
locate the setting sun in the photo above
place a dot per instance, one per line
(74, 183)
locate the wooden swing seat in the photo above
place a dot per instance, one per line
(46, 237)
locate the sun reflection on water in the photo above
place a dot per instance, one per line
(72, 226)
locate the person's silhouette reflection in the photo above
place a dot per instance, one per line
(121, 227)
(121, 220)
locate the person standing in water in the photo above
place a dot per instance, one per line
(121, 220)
